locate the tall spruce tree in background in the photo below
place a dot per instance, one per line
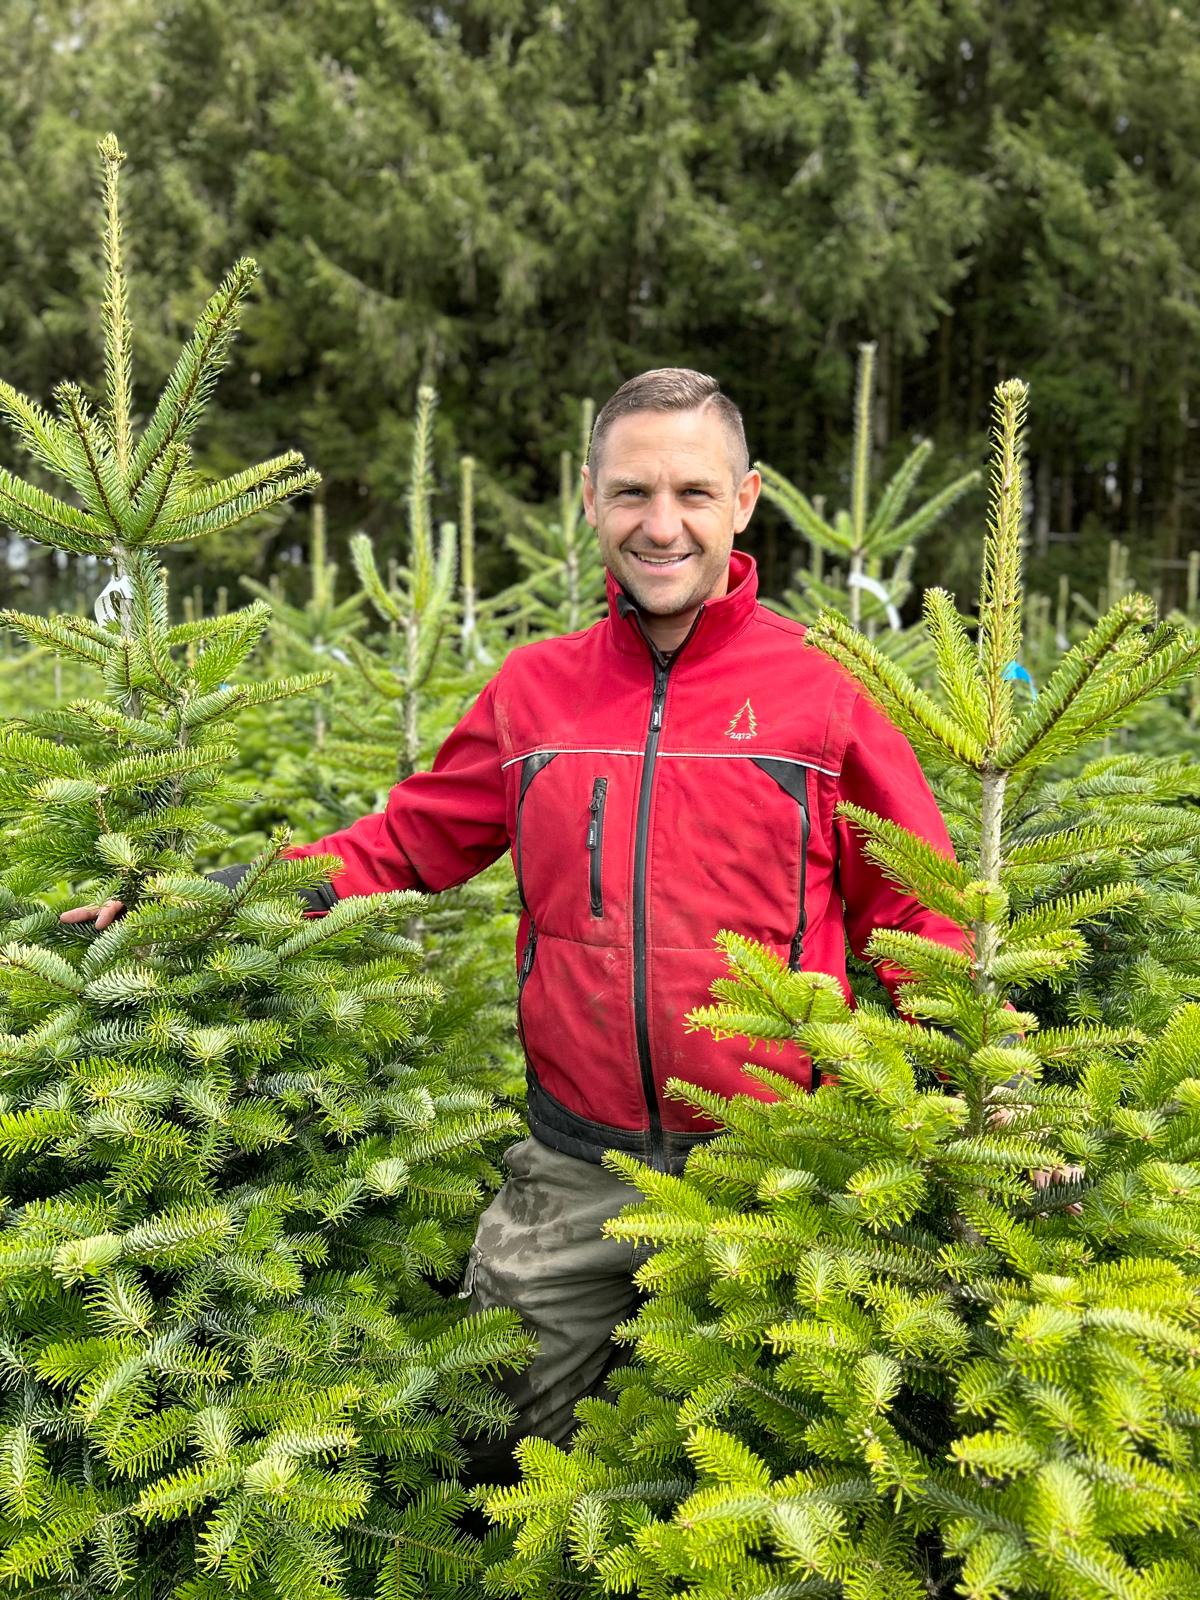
(930, 1330)
(233, 1168)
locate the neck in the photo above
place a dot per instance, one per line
(668, 633)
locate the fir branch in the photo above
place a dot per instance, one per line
(187, 390)
(800, 512)
(898, 490)
(98, 480)
(217, 496)
(1072, 678)
(40, 516)
(191, 524)
(40, 433)
(924, 721)
(914, 528)
(161, 491)
(957, 664)
(362, 554)
(118, 335)
(1000, 595)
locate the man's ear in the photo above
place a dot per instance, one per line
(746, 499)
(589, 495)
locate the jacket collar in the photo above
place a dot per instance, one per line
(717, 622)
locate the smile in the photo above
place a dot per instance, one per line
(658, 561)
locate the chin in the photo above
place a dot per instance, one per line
(664, 605)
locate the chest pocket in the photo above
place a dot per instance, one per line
(793, 780)
(530, 767)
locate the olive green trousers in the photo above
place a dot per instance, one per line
(539, 1250)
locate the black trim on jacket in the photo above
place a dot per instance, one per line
(565, 1130)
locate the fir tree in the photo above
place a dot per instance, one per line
(237, 1176)
(863, 537)
(930, 1330)
(562, 584)
(417, 604)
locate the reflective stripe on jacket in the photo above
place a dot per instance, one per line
(647, 804)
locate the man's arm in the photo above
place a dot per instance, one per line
(438, 828)
(880, 773)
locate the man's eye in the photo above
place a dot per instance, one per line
(703, 493)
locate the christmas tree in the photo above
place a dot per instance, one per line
(238, 1173)
(932, 1329)
(864, 536)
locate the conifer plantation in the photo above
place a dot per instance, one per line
(240, 1154)
(931, 1332)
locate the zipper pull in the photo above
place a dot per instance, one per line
(656, 712)
(591, 839)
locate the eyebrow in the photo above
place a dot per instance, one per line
(620, 485)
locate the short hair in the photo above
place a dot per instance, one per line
(673, 389)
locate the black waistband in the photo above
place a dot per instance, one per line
(563, 1129)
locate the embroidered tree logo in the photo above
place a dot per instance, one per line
(744, 724)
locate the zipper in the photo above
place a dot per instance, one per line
(595, 844)
(527, 959)
(662, 668)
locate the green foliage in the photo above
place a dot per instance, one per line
(239, 1157)
(760, 195)
(561, 588)
(417, 605)
(861, 537)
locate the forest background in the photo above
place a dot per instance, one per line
(523, 204)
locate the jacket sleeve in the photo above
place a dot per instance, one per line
(880, 773)
(439, 827)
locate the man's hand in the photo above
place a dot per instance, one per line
(100, 915)
(1003, 1117)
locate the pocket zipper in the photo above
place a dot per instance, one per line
(595, 844)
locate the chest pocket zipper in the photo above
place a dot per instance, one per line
(595, 844)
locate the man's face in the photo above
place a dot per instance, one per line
(666, 507)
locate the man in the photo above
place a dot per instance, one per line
(672, 770)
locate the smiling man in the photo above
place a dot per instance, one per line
(672, 770)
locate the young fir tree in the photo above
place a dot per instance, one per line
(562, 584)
(863, 538)
(933, 1329)
(417, 605)
(413, 685)
(233, 1171)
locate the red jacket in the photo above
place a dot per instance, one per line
(649, 803)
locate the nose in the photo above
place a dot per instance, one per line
(661, 519)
